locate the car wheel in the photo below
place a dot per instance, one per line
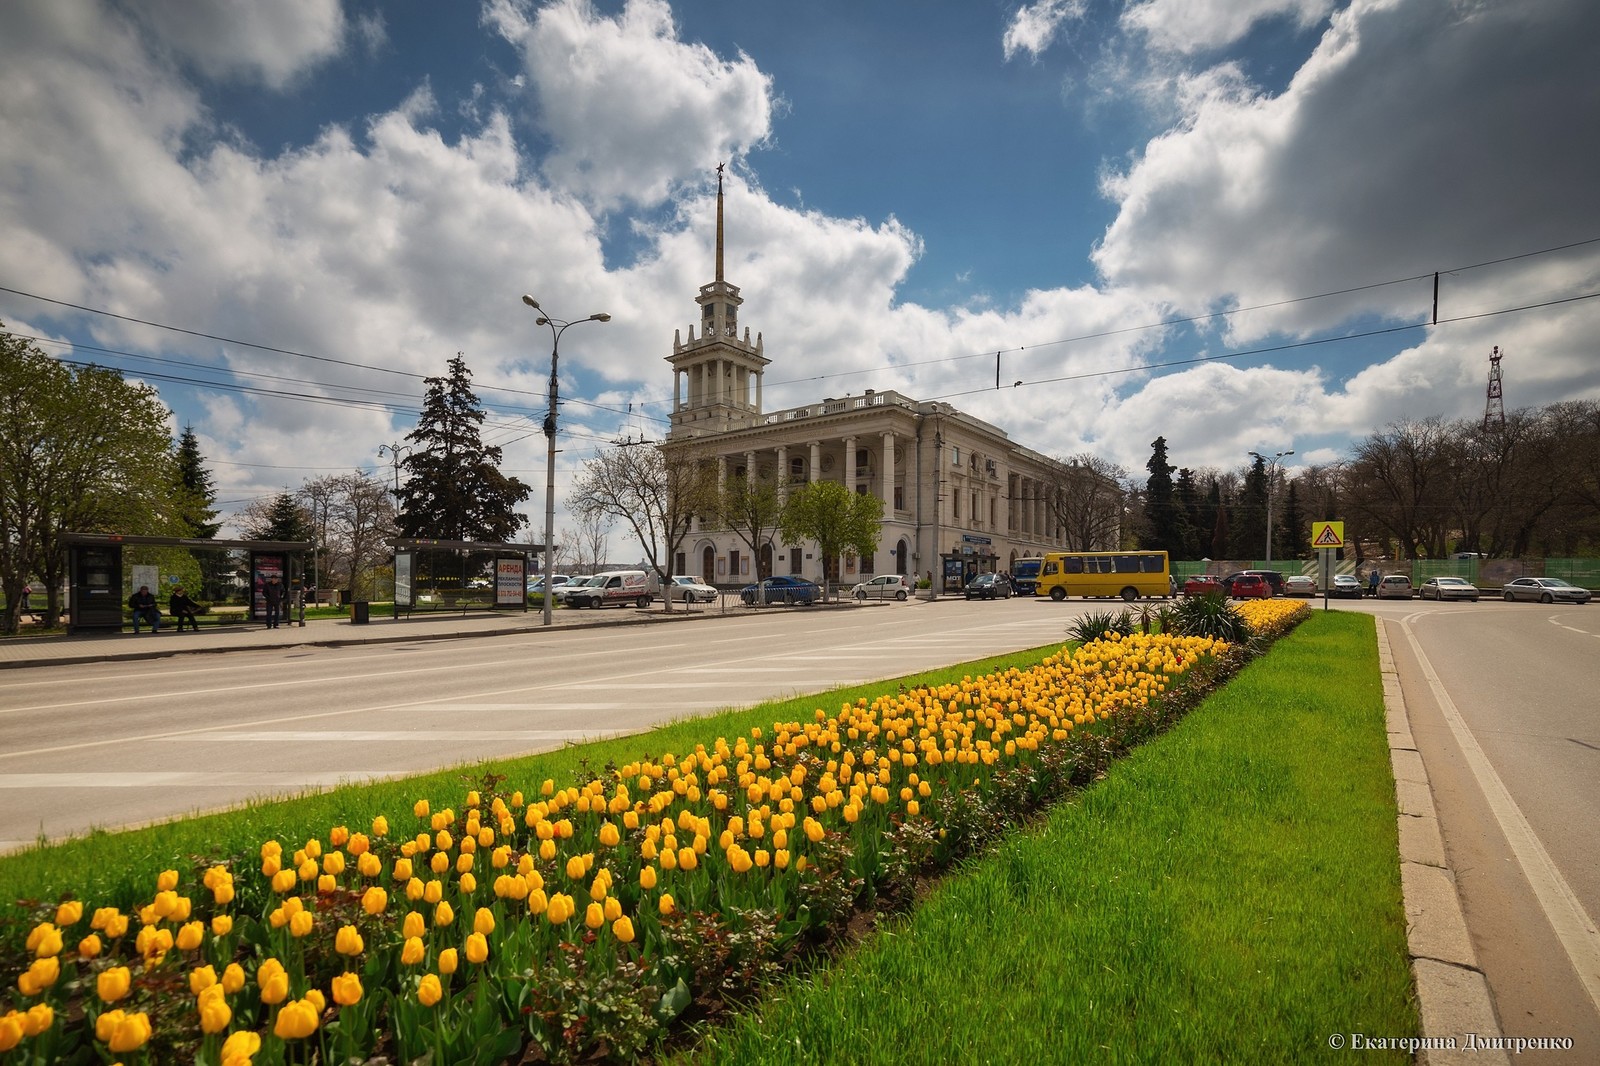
(1129, 594)
(1510, 598)
(1058, 594)
(644, 601)
(901, 595)
(1547, 598)
(860, 594)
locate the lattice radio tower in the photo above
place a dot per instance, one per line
(1494, 407)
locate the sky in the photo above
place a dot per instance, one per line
(1217, 221)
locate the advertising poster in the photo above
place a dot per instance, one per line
(510, 583)
(266, 567)
(402, 579)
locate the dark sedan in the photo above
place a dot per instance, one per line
(989, 587)
(782, 590)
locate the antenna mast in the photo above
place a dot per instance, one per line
(1494, 408)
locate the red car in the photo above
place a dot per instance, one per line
(1200, 584)
(1251, 586)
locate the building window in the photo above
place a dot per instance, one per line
(955, 456)
(866, 565)
(795, 560)
(899, 498)
(861, 489)
(955, 504)
(797, 469)
(862, 459)
(738, 471)
(991, 511)
(733, 561)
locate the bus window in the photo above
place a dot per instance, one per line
(1072, 564)
(1050, 566)
(1127, 564)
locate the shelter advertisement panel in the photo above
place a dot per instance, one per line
(510, 583)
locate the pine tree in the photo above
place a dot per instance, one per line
(1161, 515)
(285, 520)
(455, 490)
(1293, 540)
(196, 512)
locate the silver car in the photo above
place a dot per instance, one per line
(1448, 588)
(1544, 590)
(690, 589)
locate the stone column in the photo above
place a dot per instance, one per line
(888, 473)
(816, 460)
(750, 469)
(850, 463)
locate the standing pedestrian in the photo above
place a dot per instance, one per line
(273, 594)
(1372, 582)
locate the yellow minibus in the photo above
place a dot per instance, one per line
(1126, 574)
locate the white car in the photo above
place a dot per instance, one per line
(1299, 585)
(690, 589)
(883, 587)
(564, 592)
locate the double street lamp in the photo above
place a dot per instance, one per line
(558, 326)
(1272, 479)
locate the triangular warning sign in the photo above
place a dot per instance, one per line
(1328, 537)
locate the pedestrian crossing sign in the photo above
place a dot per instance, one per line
(1327, 534)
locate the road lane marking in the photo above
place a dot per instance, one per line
(1562, 909)
(375, 736)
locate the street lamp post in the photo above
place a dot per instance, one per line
(557, 326)
(1272, 478)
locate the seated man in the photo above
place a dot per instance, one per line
(181, 607)
(144, 609)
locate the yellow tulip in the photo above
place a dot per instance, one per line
(44, 940)
(483, 921)
(89, 947)
(413, 951)
(232, 978)
(347, 941)
(12, 1029)
(243, 1044)
(301, 924)
(402, 869)
(374, 901)
(429, 990)
(467, 884)
(69, 913)
(433, 891)
(647, 878)
(129, 1032)
(448, 961)
(40, 1016)
(167, 881)
(595, 916)
(112, 983)
(622, 929)
(477, 948)
(443, 914)
(39, 976)
(191, 936)
(200, 979)
(215, 1015)
(296, 1020)
(380, 826)
(420, 808)
(347, 989)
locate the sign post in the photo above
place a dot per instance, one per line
(1326, 538)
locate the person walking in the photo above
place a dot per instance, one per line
(273, 594)
(181, 607)
(144, 608)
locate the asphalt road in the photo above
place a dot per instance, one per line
(126, 743)
(1503, 705)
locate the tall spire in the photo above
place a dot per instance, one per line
(719, 221)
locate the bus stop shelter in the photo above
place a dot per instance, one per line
(460, 575)
(103, 570)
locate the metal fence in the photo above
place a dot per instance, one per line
(1485, 573)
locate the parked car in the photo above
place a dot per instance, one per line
(1347, 586)
(782, 589)
(989, 587)
(1249, 586)
(884, 587)
(563, 592)
(536, 584)
(1394, 587)
(690, 590)
(1200, 584)
(1544, 590)
(615, 588)
(1448, 588)
(1299, 585)
(1273, 578)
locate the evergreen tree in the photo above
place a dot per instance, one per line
(1249, 519)
(1161, 514)
(1186, 500)
(284, 520)
(196, 511)
(1294, 537)
(455, 490)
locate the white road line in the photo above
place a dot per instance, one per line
(374, 736)
(1571, 923)
(196, 779)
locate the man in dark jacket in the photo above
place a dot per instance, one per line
(144, 609)
(273, 594)
(181, 607)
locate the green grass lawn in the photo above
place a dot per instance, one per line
(1229, 892)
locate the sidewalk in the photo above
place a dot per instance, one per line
(62, 650)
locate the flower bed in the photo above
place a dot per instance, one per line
(588, 919)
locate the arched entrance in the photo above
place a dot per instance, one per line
(900, 560)
(708, 564)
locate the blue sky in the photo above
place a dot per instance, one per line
(912, 188)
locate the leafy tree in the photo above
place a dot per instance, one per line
(353, 517)
(752, 509)
(81, 450)
(836, 518)
(656, 493)
(1162, 530)
(455, 490)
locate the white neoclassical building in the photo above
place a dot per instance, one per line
(960, 497)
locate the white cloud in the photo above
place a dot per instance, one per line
(1190, 26)
(266, 41)
(632, 109)
(1034, 27)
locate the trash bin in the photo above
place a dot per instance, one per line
(358, 612)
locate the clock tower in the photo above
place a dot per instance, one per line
(716, 375)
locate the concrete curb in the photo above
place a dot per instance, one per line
(1452, 994)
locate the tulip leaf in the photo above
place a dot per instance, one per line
(674, 1002)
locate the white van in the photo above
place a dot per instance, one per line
(615, 587)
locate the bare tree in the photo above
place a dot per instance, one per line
(654, 493)
(594, 531)
(1085, 498)
(354, 517)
